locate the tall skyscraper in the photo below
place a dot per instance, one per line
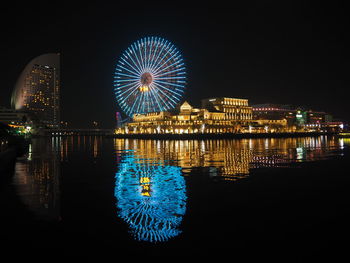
(37, 90)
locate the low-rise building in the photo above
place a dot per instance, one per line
(224, 115)
(274, 112)
(228, 115)
(13, 117)
(234, 109)
(298, 118)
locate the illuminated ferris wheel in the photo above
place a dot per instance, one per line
(150, 76)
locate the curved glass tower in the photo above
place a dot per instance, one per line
(37, 90)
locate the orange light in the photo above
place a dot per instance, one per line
(144, 88)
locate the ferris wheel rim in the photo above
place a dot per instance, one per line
(150, 76)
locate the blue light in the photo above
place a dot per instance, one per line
(163, 62)
(151, 198)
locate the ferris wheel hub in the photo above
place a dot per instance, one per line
(146, 79)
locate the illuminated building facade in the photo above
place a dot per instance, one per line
(274, 112)
(11, 116)
(318, 117)
(234, 109)
(37, 90)
(229, 116)
(295, 118)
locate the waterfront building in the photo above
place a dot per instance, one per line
(271, 126)
(231, 116)
(37, 90)
(228, 115)
(274, 112)
(297, 117)
(13, 117)
(234, 109)
(318, 117)
(22, 122)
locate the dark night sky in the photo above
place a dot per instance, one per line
(290, 53)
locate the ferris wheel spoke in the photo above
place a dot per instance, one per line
(163, 102)
(122, 69)
(137, 58)
(150, 102)
(175, 62)
(167, 54)
(135, 86)
(131, 93)
(156, 61)
(118, 85)
(179, 72)
(148, 52)
(170, 103)
(165, 78)
(156, 95)
(179, 67)
(154, 53)
(171, 57)
(170, 83)
(156, 99)
(135, 55)
(153, 104)
(125, 80)
(141, 58)
(162, 43)
(150, 41)
(160, 90)
(133, 105)
(127, 75)
(171, 92)
(136, 104)
(135, 71)
(130, 57)
(145, 53)
(156, 92)
(144, 102)
(141, 103)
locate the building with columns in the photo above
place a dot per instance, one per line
(224, 115)
(234, 109)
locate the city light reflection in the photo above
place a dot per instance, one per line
(232, 159)
(150, 187)
(151, 197)
(37, 179)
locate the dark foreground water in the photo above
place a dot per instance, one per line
(104, 197)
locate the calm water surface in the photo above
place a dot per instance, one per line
(116, 196)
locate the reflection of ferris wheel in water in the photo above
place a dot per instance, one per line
(149, 77)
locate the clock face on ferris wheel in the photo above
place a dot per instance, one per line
(150, 76)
